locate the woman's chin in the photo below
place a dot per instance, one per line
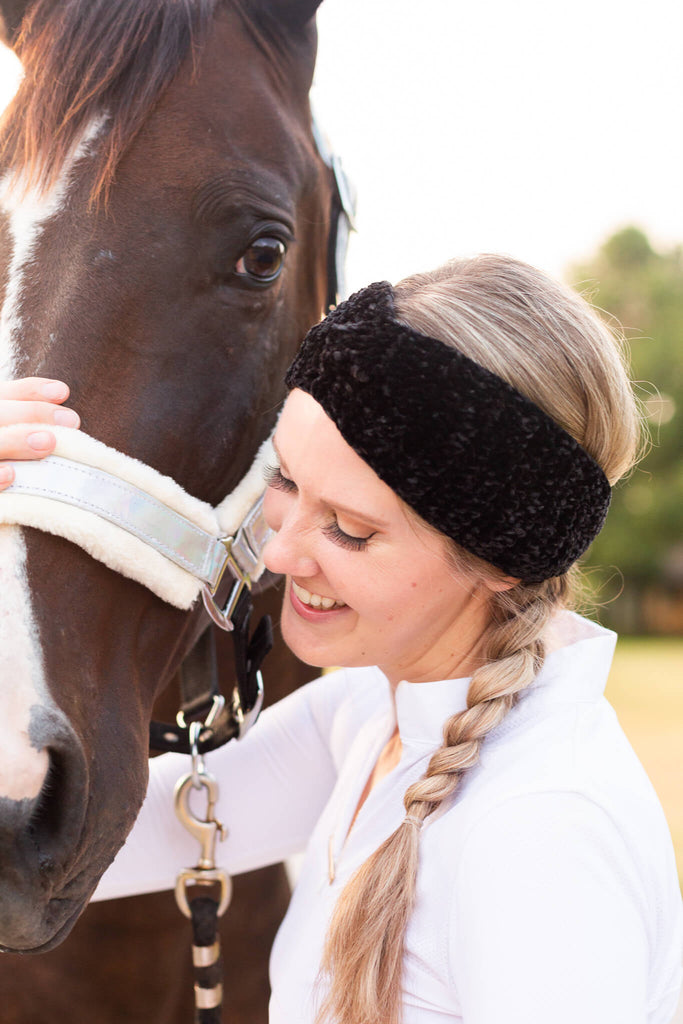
(302, 648)
(302, 642)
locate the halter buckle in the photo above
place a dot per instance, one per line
(245, 719)
(217, 705)
(243, 559)
(223, 616)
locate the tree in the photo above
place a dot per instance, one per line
(643, 290)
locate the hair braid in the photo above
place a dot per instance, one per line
(363, 958)
(514, 654)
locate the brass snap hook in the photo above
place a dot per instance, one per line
(206, 831)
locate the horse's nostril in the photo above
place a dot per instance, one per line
(40, 839)
(47, 817)
(51, 823)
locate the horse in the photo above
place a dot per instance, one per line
(165, 225)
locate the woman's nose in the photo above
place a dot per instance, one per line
(286, 553)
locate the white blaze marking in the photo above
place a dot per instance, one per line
(22, 681)
(22, 685)
(28, 212)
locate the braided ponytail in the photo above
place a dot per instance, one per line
(363, 957)
(544, 340)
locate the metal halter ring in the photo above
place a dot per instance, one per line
(207, 876)
(216, 708)
(223, 616)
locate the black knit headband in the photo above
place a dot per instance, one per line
(470, 454)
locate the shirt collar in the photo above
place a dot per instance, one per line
(576, 670)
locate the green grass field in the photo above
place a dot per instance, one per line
(645, 688)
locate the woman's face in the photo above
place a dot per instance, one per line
(367, 584)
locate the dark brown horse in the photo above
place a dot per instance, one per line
(164, 231)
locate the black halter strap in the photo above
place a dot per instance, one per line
(224, 717)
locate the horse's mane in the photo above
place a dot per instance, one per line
(85, 58)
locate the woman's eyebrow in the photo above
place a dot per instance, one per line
(355, 513)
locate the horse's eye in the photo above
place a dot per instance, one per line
(263, 260)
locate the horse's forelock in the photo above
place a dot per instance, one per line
(83, 58)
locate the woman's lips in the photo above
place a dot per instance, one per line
(313, 600)
(309, 612)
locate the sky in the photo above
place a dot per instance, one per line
(530, 128)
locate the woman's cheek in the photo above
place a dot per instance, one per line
(272, 508)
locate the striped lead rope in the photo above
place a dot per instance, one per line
(206, 959)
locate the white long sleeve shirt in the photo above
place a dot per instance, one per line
(546, 891)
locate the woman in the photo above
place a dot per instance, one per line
(481, 843)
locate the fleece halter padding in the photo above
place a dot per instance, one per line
(470, 454)
(114, 545)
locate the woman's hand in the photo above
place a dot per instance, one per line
(33, 400)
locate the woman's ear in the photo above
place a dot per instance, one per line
(500, 583)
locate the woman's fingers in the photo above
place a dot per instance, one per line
(22, 443)
(25, 442)
(27, 411)
(35, 400)
(37, 389)
(35, 403)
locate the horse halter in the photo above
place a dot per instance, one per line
(146, 527)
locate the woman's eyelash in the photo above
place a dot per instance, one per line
(345, 540)
(274, 478)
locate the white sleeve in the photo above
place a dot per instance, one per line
(274, 784)
(545, 920)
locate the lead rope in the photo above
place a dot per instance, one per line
(203, 909)
(203, 892)
(206, 957)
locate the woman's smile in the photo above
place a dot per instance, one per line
(310, 612)
(315, 601)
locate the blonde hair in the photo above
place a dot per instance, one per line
(547, 342)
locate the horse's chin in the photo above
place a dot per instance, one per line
(42, 928)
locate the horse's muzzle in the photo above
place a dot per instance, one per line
(40, 896)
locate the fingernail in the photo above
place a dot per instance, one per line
(55, 391)
(40, 441)
(6, 474)
(66, 418)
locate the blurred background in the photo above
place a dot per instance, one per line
(554, 134)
